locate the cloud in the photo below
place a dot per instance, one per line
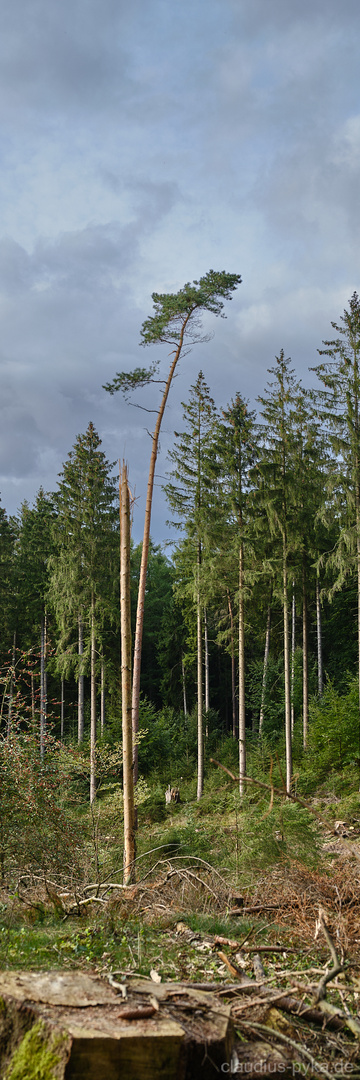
(141, 144)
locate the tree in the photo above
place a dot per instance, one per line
(190, 494)
(125, 607)
(339, 407)
(277, 494)
(176, 322)
(83, 567)
(33, 552)
(238, 458)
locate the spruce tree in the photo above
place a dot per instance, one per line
(83, 568)
(339, 408)
(237, 452)
(277, 496)
(190, 493)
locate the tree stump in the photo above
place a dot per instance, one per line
(72, 1026)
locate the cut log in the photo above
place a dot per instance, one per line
(71, 1025)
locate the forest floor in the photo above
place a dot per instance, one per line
(264, 944)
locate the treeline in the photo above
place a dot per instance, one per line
(260, 601)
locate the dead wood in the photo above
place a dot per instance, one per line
(161, 1032)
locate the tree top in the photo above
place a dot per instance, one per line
(176, 321)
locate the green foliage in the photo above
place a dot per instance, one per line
(171, 309)
(288, 832)
(169, 738)
(36, 828)
(333, 733)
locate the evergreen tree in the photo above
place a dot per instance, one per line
(191, 495)
(238, 454)
(33, 552)
(277, 495)
(176, 322)
(339, 405)
(84, 568)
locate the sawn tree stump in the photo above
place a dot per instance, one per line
(72, 1026)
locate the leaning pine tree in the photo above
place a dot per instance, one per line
(176, 323)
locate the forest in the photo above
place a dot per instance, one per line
(249, 691)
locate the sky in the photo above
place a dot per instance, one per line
(142, 144)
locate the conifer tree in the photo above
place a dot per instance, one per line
(176, 322)
(33, 552)
(82, 585)
(238, 454)
(339, 407)
(190, 494)
(277, 494)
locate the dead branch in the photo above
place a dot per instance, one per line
(337, 967)
(289, 1042)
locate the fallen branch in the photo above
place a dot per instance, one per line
(289, 1042)
(337, 967)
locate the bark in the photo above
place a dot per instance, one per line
(42, 686)
(293, 619)
(288, 744)
(80, 682)
(200, 736)
(73, 1024)
(266, 661)
(62, 711)
(242, 731)
(183, 685)
(127, 734)
(207, 683)
(92, 704)
(145, 552)
(319, 641)
(358, 585)
(232, 647)
(102, 697)
(32, 699)
(11, 688)
(305, 660)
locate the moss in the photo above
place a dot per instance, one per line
(40, 1055)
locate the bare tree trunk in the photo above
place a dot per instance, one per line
(102, 696)
(80, 682)
(200, 737)
(183, 684)
(288, 744)
(128, 768)
(32, 700)
(42, 686)
(207, 682)
(358, 587)
(305, 663)
(233, 685)
(11, 688)
(62, 711)
(266, 661)
(92, 704)
(293, 618)
(242, 730)
(319, 641)
(145, 554)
